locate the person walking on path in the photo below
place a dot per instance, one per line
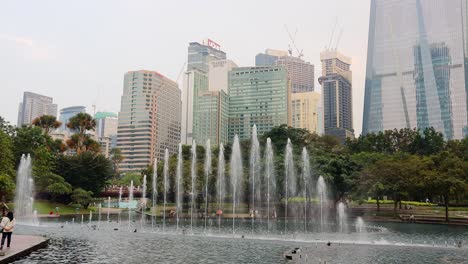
(7, 225)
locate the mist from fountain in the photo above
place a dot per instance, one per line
(254, 175)
(24, 192)
(290, 181)
(342, 217)
(221, 182)
(236, 177)
(179, 182)
(270, 181)
(305, 176)
(207, 174)
(165, 185)
(154, 191)
(193, 173)
(322, 197)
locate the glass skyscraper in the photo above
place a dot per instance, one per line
(417, 70)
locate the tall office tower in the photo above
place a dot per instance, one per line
(270, 57)
(211, 117)
(258, 96)
(106, 131)
(199, 55)
(218, 74)
(417, 66)
(35, 105)
(149, 119)
(336, 81)
(194, 81)
(301, 73)
(106, 124)
(67, 113)
(304, 108)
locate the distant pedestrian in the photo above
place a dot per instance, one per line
(7, 225)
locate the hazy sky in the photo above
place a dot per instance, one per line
(78, 51)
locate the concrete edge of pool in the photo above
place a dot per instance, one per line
(22, 245)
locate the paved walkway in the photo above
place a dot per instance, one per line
(22, 245)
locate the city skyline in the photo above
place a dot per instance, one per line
(52, 60)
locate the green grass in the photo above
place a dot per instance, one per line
(44, 207)
(402, 202)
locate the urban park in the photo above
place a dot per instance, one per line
(246, 202)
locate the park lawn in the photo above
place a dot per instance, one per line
(44, 207)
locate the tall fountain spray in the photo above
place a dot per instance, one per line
(179, 182)
(130, 201)
(359, 225)
(143, 203)
(221, 182)
(254, 174)
(322, 198)
(120, 196)
(290, 181)
(342, 218)
(24, 191)
(207, 174)
(154, 190)
(305, 177)
(270, 179)
(194, 176)
(236, 176)
(108, 208)
(166, 185)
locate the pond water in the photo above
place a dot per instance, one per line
(100, 242)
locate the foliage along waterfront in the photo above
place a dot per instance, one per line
(403, 165)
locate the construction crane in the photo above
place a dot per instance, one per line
(293, 42)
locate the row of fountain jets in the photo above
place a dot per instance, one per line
(25, 187)
(255, 184)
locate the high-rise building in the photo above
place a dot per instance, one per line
(200, 55)
(33, 106)
(304, 108)
(218, 74)
(194, 81)
(67, 113)
(336, 81)
(301, 73)
(211, 117)
(149, 119)
(258, 96)
(417, 66)
(106, 124)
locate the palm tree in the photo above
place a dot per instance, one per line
(81, 123)
(116, 158)
(88, 144)
(47, 123)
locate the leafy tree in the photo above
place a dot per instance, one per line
(128, 177)
(116, 157)
(59, 188)
(82, 197)
(7, 164)
(26, 140)
(448, 176)
(340, 172)
(47, 123)
(87, 145)
(7, 187)
(81, 123)
(428, 142)
(86, 171)
(6, 127)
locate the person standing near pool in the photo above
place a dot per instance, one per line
(7, 225)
